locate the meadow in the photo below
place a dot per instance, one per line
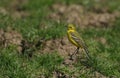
(33, 42)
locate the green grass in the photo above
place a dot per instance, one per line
(36, 25)
(14, 65)
(106, 55)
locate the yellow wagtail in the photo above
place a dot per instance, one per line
(75, 39)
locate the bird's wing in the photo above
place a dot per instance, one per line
(75, 36)
(79, 40)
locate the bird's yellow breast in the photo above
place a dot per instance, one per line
(71, 39)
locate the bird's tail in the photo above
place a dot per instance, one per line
(87, 52)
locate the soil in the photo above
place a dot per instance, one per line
(10, 36)
(80, 16)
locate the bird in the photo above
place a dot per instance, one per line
(75, 39)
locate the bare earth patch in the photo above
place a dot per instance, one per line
(18, 11)
(79, 15)
(15, 10)
(3, 11)
(61, 45)
(10, 36)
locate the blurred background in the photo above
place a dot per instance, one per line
(33, 41)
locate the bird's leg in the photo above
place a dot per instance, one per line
(75, 52)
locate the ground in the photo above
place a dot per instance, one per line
(33, 39)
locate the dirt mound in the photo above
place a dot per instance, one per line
(17, 10)
(10, 36)
(3, 11)
(63, 46)
(79, 15)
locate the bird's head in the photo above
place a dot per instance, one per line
(71, 27)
